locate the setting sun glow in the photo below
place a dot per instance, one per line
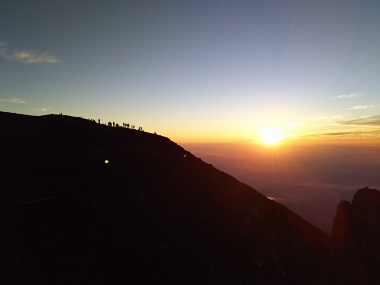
(271, 135)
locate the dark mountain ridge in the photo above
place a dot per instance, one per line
(153, 214)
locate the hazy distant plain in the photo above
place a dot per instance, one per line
(310, 179)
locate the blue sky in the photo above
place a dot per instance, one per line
(197, 70)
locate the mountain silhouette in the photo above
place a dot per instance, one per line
(83, 202)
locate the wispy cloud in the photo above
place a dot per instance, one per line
(362, 107)
(365, 127)
(348, 96)
(45, 109)
(353, 134)
(34, 57)
(14, 100)
(365, 121)
(30, 56)
(321, 116)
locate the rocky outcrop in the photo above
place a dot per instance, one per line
(356, 232)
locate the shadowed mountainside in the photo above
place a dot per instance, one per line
(154, 213)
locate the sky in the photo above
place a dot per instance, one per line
(198, 71)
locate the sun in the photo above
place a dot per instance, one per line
(271, 135)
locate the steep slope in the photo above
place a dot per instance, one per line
(357, 232)
(154, 213)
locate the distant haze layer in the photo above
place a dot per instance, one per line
(310, 179)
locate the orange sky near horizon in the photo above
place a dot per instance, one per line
(370, 139)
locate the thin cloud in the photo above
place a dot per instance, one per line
(45, 109)
(346, 134)
(14, 100)
(27, 56)
(365, 121)
(34, 57)
(321, 117)
(362, 107)
(348, 96)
